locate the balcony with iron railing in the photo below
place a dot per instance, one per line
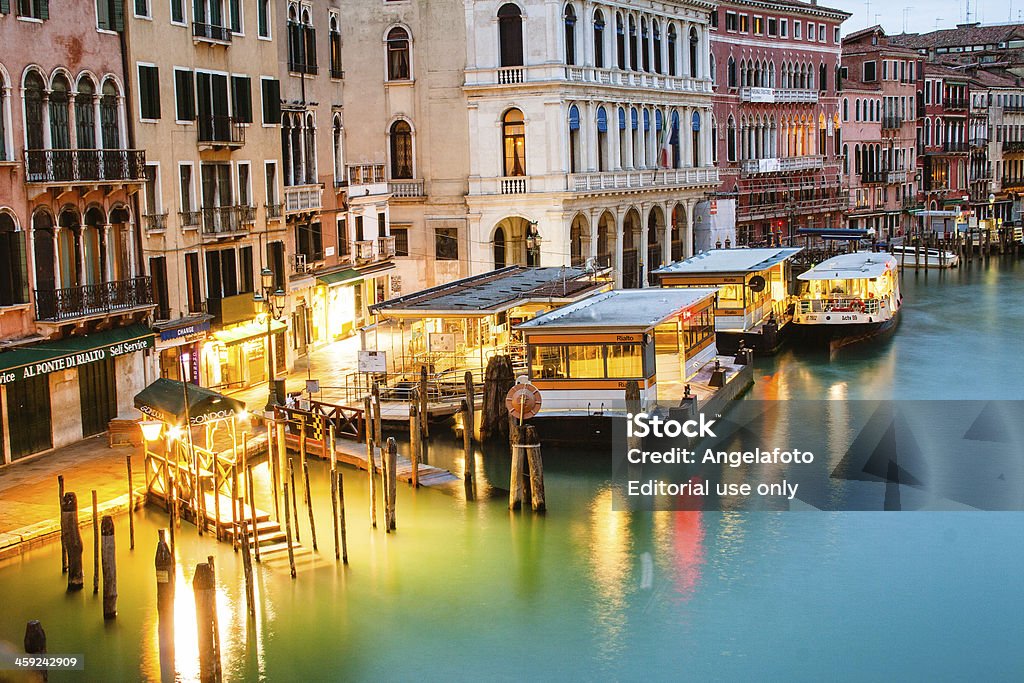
(892, 122)
(211, 33)
(72, 166)
(367, 180)
(782, 164)
(954, 103)
(587, 75)
(337, 73)
(155, 222)
(778, 95)
(220, 131)
(69, 303)
(1013, 108)
(955, 147)
(406, 189)
(300, 68)
(303, 198)
(1012, 182)
(783, 208)
(1013, 146)
(222, 221)
(190, 220)
(274, 211)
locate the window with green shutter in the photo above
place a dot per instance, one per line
(36, 9)
(149, 92)
(241, 99)
(5, 6)
(271, 101)
(184, 95)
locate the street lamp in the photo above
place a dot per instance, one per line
(273, 301)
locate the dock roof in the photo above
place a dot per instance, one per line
(730, 261)
(622, 309)
(493, 292)
(854, 266)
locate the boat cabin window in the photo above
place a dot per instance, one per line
(586, 361)
(666, 337)
(625, 361)
(730, 296)
(549, 362)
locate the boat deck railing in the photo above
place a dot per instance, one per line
(840, 305)
(447, 386)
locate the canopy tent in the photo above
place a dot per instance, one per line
(164, 400)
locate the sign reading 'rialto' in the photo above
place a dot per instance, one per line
(75, 360)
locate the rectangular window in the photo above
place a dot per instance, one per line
(158, 271)
(184, 96)
(245, 272)
(149, 92)
(810, 31)
(744, 23)
(835, 35)
(177, 11)
(870, 69)
(235, 11)
(36, 9)
(275, 261)
(241, 99)
(821, 33)
(382, 225)
(401, 236)
(244, 186)
(270, 170)
(586, 361)
(309, 241)
(192, 287)
(185, 190)
(549, 361)
(271, 90)
(731, 21)
(714, 18)
(343, 238)
(142, 9)
(625, 361)
(797, 33)
(263, 17)
(446, 244)
(885, 69)
(783, 28)
(152, 182)
(758, 26)
(773, 27)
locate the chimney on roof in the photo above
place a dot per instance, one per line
(971, 25)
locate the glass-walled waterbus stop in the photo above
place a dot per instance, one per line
(582, 355)
(459, 326)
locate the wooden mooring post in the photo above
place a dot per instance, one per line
(288, 532)
(468, 429)
(131, 505)
(243, 531)
(498, 379)
(95, 544)
(109, 568)
(60, 506)
(341, 521)
(204, 585)
(414, 437)
(35, 643)
(272, 464)
(424, 410)
(370, 467)
(72, 540)
(531, 445)
(515, 483)
(309, 503)
(332, 451)
(164, 563)
(392, 467)
(294, 500)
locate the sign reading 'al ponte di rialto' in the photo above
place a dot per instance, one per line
(74, 360)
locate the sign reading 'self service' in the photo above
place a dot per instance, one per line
(45, 367)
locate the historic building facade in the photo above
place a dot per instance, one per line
(778, 128)
(336, 213)
(206, 106)
(879, 113)
(73, 290)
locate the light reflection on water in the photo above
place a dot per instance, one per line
(467, 589)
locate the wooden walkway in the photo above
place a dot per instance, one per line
(355, 455)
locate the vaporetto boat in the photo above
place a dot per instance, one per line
(848, 298)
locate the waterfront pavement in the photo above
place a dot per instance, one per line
(29, 504)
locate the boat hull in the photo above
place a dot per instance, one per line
(834, 336)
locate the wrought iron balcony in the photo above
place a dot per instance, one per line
(954, 103)
(892, 122)
(300, 68)
(211, 32)
(59, 166)
(274, 211)
(68, 303)
(955, 147)
(1013, 147)
(225, 220)
(221, 131)
(337, 73)
(190, 219)
(155, 222)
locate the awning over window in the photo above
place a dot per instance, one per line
(164, 400)
(340, 277)
(41, 359)
(250, 330)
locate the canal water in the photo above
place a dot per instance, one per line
(468, 590)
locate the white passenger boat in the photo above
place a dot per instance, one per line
(849, 298)
(913, 257)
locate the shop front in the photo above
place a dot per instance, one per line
(236, 357)
(178, 344)
(58, 392)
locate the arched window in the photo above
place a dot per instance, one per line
(694, 52)
(401, 150)
(5, 152)
(510, 35)
(85, 118)
(309, 132)
(13, 266)
(856, 110)
(339, 158)
(714, 140)
(712, 68)
(42, 239)
(513, 134)
(846, 109)
(695, 138)
(822, 78)
(570, 35)
(499, 248)
(645, 44)
(846, 159)
(620, 43)
(598, 39)
(110, 127)
(60, 130)
(730, 140)
(675, 141)
(672, 42)
(335, 42)
(399, 68)
(731, 68)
